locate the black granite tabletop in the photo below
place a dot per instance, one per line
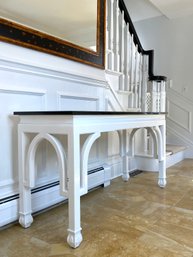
(83, 113)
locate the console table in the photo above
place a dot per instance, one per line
(73, 161)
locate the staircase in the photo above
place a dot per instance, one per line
(129, 68)
(129, 72)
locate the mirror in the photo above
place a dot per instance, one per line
(72, 29)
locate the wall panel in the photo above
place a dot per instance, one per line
(31, 80)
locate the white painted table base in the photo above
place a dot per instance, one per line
(73, 170)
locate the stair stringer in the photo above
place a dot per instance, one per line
(117, 100)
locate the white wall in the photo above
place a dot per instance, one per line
(172, 41)
(31, 80)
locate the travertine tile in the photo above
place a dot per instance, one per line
(136, 219)
(186, 202)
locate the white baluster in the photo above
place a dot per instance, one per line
(122, 64)
(130, 60)
(154, 96)
(111, 35)
(107, 35)
(117, 40)
(136, 76)
(163, 97)
(140, 81)
(144, 83)
(132, 63)
(132, 67)
(127, 57)
(158, 96)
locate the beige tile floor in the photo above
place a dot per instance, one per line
(134, 219)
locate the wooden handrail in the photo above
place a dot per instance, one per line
(137, 42)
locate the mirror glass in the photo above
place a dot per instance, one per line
(73, 29)
(70, 20)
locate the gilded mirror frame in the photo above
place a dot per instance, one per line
(21, 35)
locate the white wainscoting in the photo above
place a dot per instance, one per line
(179, 114)
(31, 80)
(180, 121)
(9, 210)
(69, 101)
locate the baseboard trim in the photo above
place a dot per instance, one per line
(9, 206)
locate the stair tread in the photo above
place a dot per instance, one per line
(170, 150)
(174, 148)
(124, 92)
(133, 109)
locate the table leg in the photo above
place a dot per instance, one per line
(125, 175)
(25, 217)
(162, 163)
(74, 231)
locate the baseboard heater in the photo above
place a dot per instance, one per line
(96, 177)
(135, 173)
